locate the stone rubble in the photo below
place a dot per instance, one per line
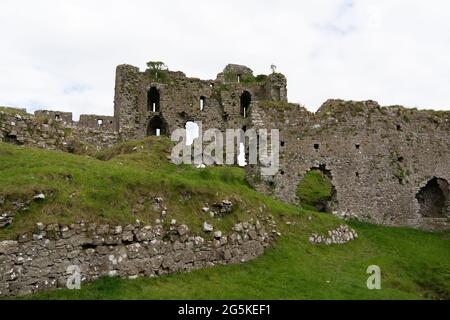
(222, 208)
(341, 235)
(9, 208)
(208, 227)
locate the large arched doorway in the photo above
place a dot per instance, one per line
(433, 199)
(153, 99)
(316, 190)
(157, 127)
(246, 100)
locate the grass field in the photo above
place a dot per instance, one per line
(106, 186)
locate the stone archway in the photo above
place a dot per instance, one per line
(434, 199)
(157, 126)
(316, 190)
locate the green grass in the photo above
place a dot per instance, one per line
(87, 188)
(314, 188)
(414, 264)
(14, 111)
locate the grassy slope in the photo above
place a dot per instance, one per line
(414, 264)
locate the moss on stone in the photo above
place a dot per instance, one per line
(14, 111)
(277, 105)
(315, 187)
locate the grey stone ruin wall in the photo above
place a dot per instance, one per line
(40, 261)
(108, 123)
(64, 117)
(180, 98)
(99, 122)
(46, 131)
(379, 157)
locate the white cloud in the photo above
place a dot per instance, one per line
(62, 54)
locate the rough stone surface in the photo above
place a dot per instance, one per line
(382, 160)
(40, 261)
(341, 235)
(379, 159)
(180, 96)
(44, 130)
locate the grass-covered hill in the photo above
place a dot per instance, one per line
(109, 186)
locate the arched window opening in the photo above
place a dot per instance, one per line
(153, 99)
(202, 103)
(246, 100)
(99, 122)
(433, 199)
(156, 127)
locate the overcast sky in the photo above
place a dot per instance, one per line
(62, 55)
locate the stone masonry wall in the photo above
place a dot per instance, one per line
(40, 261)
(379, 157)
(93, 121)
(44, 131)
(179, 98)
(55, 115)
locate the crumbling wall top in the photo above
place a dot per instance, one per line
(55, 115)
(234, 73)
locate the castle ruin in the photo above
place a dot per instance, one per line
(388, 165)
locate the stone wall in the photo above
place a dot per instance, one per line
(178, 99)
(23, 129)
(65, 117)
(46, 131)
(93, 121)
(40, 261)
(379, 157)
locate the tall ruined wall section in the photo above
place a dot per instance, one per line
(179, 99)
(379, 157)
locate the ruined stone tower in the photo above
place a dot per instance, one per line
(147, 103)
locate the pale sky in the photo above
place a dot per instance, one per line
(62, 55)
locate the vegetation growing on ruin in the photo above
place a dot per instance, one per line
(245, 78)
(157, 71)
(279, 105)
(414, 265)
(340, 108)
(314, 188)
(13, 111)
(107, 188)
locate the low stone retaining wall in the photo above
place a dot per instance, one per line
(47, 258)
